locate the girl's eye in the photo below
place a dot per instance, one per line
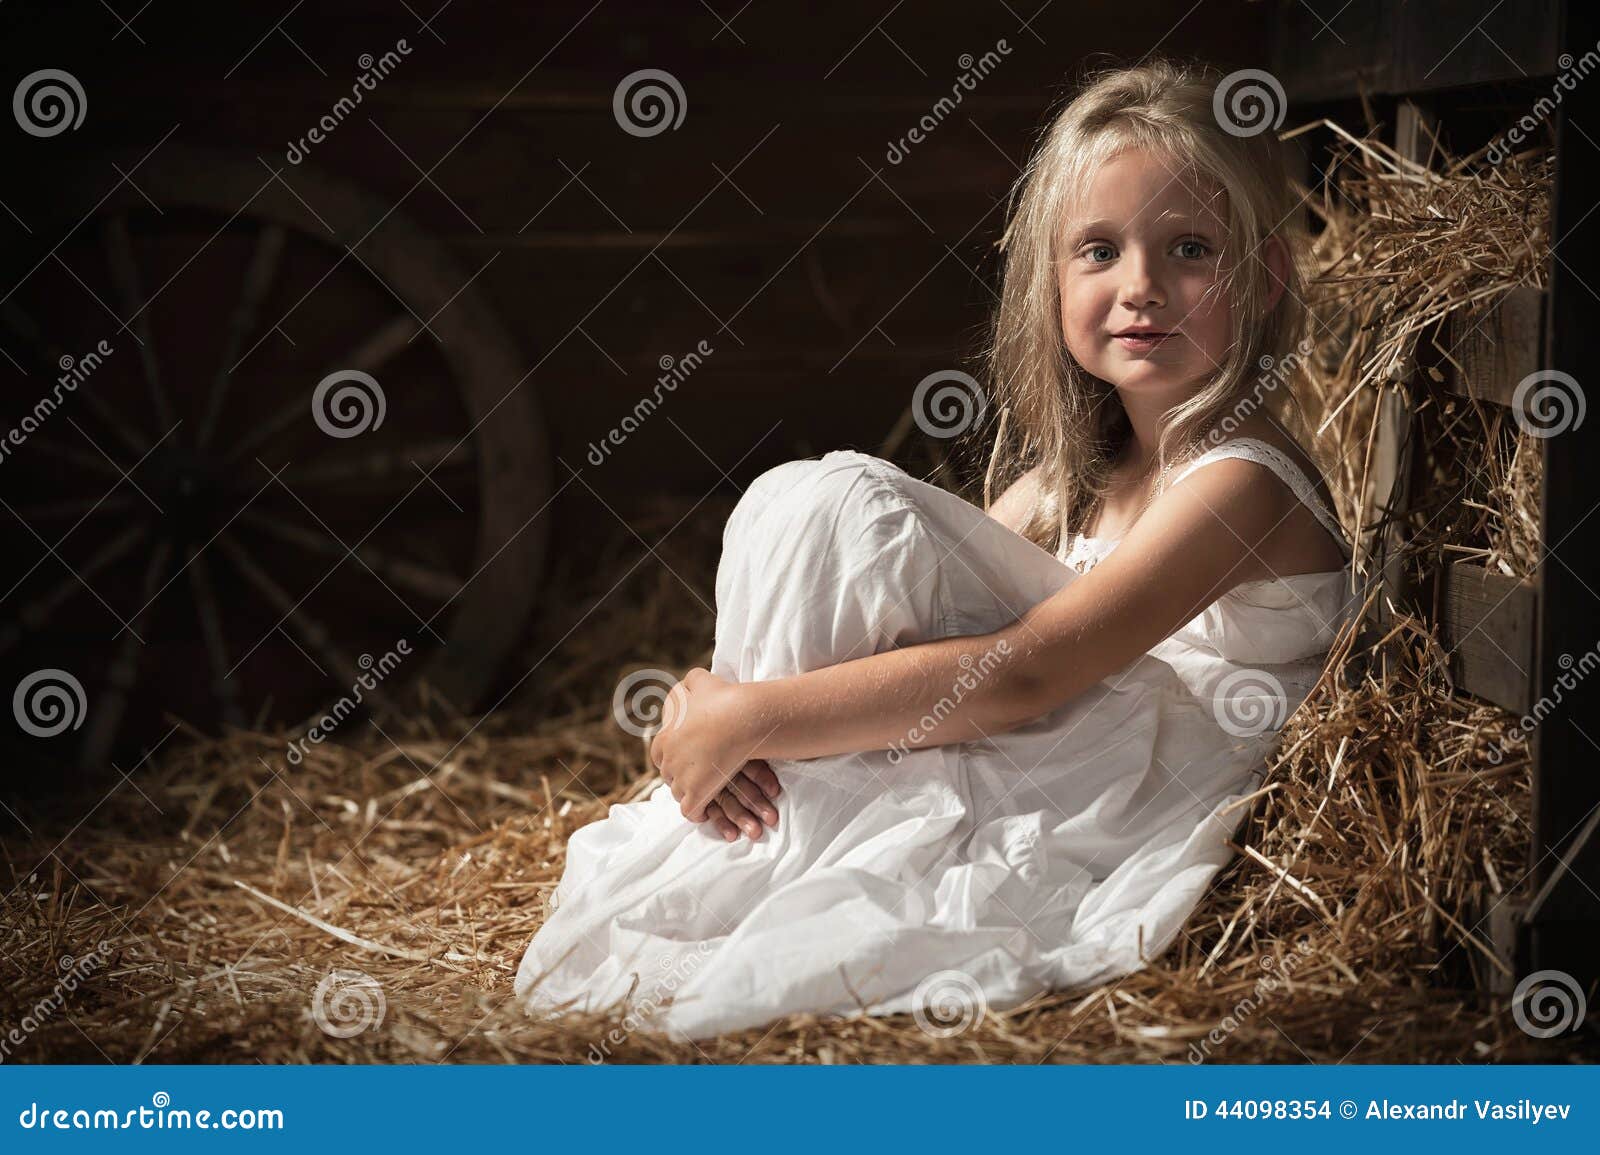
(1191, 249)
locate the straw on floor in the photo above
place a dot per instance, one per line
(371, 904)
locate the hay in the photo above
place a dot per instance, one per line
(1404, 248)
(233, 886)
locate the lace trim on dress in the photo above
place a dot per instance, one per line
(1077, 554)
(1275, 459)
(1079, 551)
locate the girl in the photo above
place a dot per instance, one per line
(1006, 745)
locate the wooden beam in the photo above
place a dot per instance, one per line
(1410, 47)
(1565, 933)
(1389, 493)
(1487, 627)
(1493, 352)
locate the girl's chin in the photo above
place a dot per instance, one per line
(1142, 373)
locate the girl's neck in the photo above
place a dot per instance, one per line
(1144, 411)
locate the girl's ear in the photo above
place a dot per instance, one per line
(1276, 256)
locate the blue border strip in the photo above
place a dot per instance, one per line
(660, 1109)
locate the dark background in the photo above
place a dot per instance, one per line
(560, 258)
(514, 268)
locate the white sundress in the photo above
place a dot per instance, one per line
(947, 878)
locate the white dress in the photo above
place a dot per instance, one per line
(944, 878)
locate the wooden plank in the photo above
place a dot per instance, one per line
(1566, 936)
(1388, 495)
(1487, 627)
(1560, 899)
(1410, 47)
(833, 299)
(1447, 44)
(1494, 352)
(1317, 59)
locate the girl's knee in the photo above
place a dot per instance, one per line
(831, 486)
(759, 495)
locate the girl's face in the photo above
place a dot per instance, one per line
(1143, 255)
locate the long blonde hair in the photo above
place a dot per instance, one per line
(1054, 414)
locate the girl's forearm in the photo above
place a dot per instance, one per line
(948, 690)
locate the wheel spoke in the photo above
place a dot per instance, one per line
(125, 272)
(257, 280)
(82, 458)
(382, 463)
(106, 717)
(205, 604)
(312, 632)
(78, 505)
(36, 614)
(368, 357)
(47, 359)
(418, 578)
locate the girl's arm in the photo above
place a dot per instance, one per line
(1192, 545)
(1012, 506)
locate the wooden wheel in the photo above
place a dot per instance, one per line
(280, 435)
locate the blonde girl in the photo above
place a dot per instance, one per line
(999, 748)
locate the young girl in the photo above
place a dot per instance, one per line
(997, 752)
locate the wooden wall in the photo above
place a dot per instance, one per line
(827, 280)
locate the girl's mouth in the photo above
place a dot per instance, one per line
(1141, 342)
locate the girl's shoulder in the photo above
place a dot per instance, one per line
(1313, 540)
(1276, 437)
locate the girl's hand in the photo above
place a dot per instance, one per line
(753, 792)
(703, 741)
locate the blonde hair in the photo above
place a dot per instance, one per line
(1056, 415)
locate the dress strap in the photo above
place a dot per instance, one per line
(1275, 459)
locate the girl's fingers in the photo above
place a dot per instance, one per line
(754, 800)
(735, 810)
(723, 825)
(761, 774)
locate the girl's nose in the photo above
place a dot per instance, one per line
(1140, 290)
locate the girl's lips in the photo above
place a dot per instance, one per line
(1141, 343)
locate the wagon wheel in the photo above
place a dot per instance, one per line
(308, 443)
